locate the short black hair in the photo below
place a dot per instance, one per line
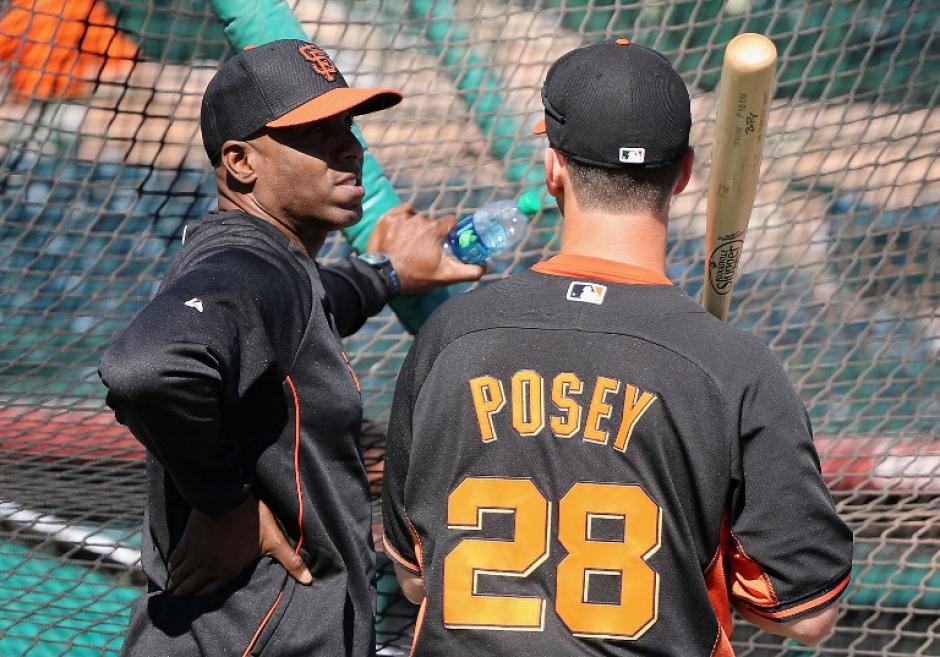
(623, 189)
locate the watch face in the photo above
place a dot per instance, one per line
(374, 259)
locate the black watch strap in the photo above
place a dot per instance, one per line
(381, 263)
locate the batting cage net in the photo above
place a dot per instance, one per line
(102, 167)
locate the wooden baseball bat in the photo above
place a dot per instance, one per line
(747, 80)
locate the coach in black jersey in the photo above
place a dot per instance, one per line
(235, 378)
(580, 459)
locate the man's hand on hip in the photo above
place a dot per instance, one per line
(414, 243)
(214, 549)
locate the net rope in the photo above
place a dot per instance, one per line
(102, 167)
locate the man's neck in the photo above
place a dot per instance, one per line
(638, 239)
(229, 201)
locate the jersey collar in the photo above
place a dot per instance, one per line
(599, 269)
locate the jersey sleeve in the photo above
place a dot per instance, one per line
(790, 553)
(401, 541)
(355, 291)
(196, 348)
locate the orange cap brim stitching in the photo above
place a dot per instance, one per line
(337, 101)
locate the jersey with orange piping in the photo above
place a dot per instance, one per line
(580, 460)
(235, 379)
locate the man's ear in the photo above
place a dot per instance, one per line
(685, 173)
(555, 173)
(240, 160)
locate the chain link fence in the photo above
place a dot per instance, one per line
(101, 166)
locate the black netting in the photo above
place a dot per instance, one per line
(101, 166)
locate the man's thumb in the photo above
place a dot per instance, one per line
(454, 271)
(274, 544)
(293, 563)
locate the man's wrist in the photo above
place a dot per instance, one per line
(382, 265)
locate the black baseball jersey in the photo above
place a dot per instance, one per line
(234, 377)
(581, 461)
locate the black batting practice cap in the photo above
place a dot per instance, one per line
(616, 104)
(282, 83)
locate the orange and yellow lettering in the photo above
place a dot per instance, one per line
(528, 402)
(638, 607)
(568, 424)
(635, 404)
(488, 399)
(588, 556)
(464, 607)
(600, 410)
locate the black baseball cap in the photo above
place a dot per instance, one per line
(616, 104)
(282, 83)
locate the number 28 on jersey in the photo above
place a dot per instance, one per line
(591, 556)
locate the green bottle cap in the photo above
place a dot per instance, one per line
(529, 202)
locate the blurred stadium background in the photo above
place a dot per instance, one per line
(101, 166)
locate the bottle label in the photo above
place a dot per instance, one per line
(465, 244)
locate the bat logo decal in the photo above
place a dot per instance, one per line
(723, 264)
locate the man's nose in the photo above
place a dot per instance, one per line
(351, 150)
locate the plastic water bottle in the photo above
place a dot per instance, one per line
(495, 227)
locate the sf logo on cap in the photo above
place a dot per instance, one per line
(319, 61)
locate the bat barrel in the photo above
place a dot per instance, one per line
(747, 80)
(751, 53)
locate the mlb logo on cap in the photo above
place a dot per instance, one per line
(633, 155)
(586, 292)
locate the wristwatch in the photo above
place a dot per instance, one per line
(381, 263)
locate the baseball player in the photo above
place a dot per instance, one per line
(580, 459)
(235, 378)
